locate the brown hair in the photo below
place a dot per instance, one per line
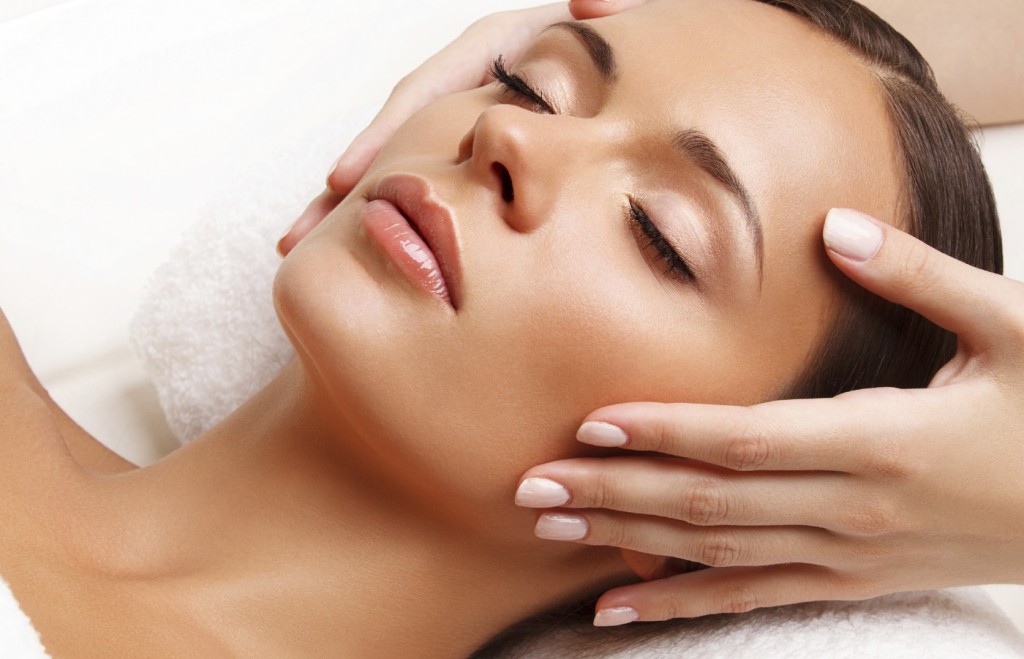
(947, 203)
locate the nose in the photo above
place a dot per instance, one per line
(526, 159)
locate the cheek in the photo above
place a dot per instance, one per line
(546, 350)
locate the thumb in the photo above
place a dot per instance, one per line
(965, 300)
(583, 9)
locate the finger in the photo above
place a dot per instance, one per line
(461, 65)
(689, 492)
(851, 433)
(317, 210)
(982, 308)
(649, 566)
(715, 546)
(584, 9)
(724, 590)
(435, 77)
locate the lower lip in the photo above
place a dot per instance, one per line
(392, 232)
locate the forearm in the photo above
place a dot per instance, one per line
(975, 49)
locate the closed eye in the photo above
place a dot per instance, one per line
(675, 266)
(515, 85)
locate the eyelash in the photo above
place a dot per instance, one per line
(675, 266)
(513, 84)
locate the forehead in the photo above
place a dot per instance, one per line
(801, 120)
(799, 117)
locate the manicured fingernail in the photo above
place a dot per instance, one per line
(615, 616)
(561, 526)
(284, 235)
(287, 231)
(334, 167)
(852, 234)
(541, 493)
(599, 433)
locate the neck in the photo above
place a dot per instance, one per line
(274, 527)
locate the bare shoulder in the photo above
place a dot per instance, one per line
(32, 424)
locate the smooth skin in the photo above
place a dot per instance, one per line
(355, 490)
(872, 492)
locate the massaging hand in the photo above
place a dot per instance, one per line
(872, 492)
(461, 65)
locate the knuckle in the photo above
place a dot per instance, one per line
(612, 534)
(888, 458)
(738, 599)
(748, 451)
(676, 607)
(869, 555)
(918, 270)
(404, 87)
(872, 520)
(661, 437)
(704, 503)
(601, 490)
(718, 548)
(852, 585)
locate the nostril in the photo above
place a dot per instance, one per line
(507, 192)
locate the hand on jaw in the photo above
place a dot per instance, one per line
(872, 492)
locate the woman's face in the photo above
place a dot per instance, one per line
(649, 230)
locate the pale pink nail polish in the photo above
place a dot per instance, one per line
(615, 616)
(541, 493)
(561, 526)
(852, 234)
(600, 433)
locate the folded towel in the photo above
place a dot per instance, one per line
(961, 622)
(206, 329)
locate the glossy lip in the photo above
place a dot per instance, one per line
(431, 217)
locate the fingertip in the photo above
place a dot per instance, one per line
(282, 248)
(352, 164)
(287, 241)
(340, 179)
(584, 9)
(852, 235)
(602, 433)
(619, 606)
(615, 616)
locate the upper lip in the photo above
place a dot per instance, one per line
(432, 218)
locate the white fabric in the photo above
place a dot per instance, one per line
(18, 638)
(958, 623)
(206, 329)
(124, 121)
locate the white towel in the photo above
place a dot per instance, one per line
(961, 623)
(18, 638)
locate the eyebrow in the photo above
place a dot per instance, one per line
(703, 152)
(694, 144)
(601, 52)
